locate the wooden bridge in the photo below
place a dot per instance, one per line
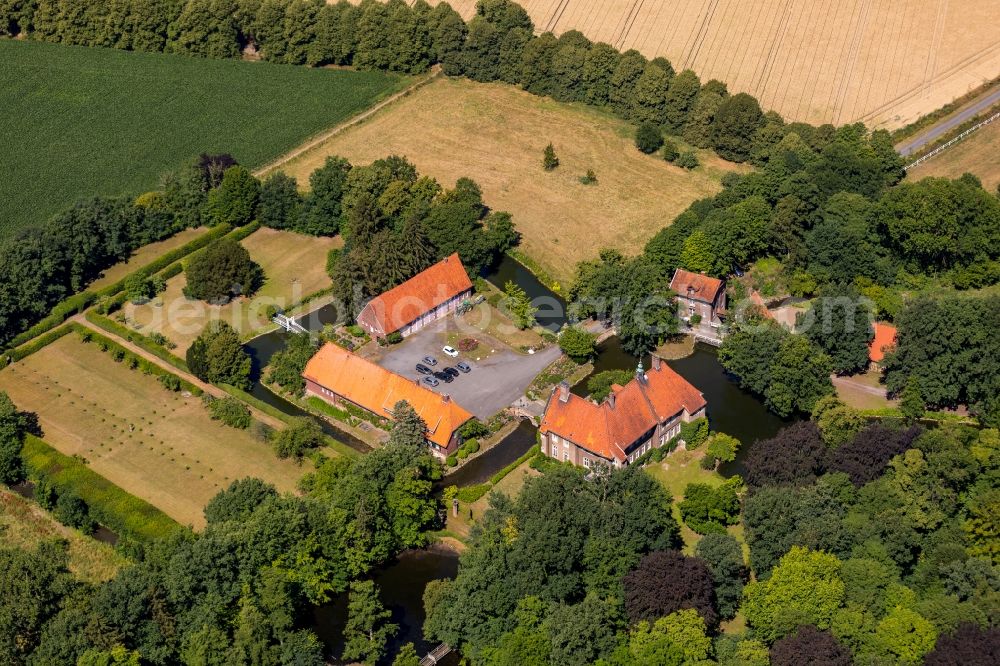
(436, 655)
(288, 324)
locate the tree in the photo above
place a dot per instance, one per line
(235, 200)
(301, 435)
(837, 422)
(407, 656)
(116, 656)
(687, 160)
(13, 426)
(239, 500)
(674, 640)
(722, 448)
(968, 645)
(205, 28)
(805, 588)
(866, 456)
(286, 366)
(734, 126)
(698, 254)
(799, 376)
(724, 557)
(222, 270)
(982, 527)
(911, 402)
(138, 288)
(683, 91)
(519, 306)
(648, 138)
(904, 637)
(582, 633)
(218, 356)
(706, 509)
(839, 323)
(795, 456)
(408, 429)
(72, 511)
(368, 629)
(280, 203)
(809, 646)
(667, 581)
(322, 211)
(577, 343)
(549, 159)
(599, 386)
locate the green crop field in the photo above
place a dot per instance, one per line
(81, 121)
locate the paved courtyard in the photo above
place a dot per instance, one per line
(499, 375)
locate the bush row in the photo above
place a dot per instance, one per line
(125, 514)
(470, 494)
(137, 338)
(33, 346)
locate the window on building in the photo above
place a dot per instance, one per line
(586, 462)
(566, 454)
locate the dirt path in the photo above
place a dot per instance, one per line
(277, 424)
(949, 122)
(434, 73)
(860, 386)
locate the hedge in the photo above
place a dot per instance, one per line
(470, 494)
(136, 338)
(141, 364)
(125, 514)
(60, 312)
(33, 346)
(531, 453)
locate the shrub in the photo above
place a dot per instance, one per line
(549, 159)
(471, 494)
(293, 442)
(356, 331)
(72, 511)
(394, 338)
(472, 446)
(669, 151)
(694, 433)
(170, 382)
(687, 160)
(451, 461)
(694, 319)
(588, 178)
(648, 138)
(473, 428)
(462, 453)
(467, 344)
(230, 411)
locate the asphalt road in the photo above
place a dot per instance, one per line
(911, 146)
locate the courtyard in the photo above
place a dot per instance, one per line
(499, 374)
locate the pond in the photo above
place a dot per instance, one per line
(401, 585)
(551, 308)
(480, 469)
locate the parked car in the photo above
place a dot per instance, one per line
(445, 377)
(430, 381)
(423, 369)
(430, 360)
(463, 366)
(450, 351)
(452, 372)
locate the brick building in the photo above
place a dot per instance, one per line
(645, 413)
(699, 294)
(341, 378)
(424, 298)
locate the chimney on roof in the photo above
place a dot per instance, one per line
(656, 362)
(563, 392)
(611, 399)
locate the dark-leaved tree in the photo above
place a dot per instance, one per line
(667, 581)
(866, 456)
(968, 645)
(809, 646)
(795, 456)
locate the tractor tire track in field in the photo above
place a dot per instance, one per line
(435, 73)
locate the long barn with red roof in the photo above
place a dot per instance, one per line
(645, 413)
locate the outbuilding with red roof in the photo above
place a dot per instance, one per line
(424, 298)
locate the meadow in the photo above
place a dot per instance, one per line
(976, 154)
(885, 62)
(294, 267)
(79, 121)
(158, 445)
(495, 134)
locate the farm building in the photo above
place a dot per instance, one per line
(422, 299)
(699, 294)
(342, 378)
(645, 413)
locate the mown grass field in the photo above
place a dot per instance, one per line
(24, 524)
(977, 154)
(81, 121)
(294, 267)
(495, 134)
(157, 445)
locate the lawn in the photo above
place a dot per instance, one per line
(157, 445)
(976, 154)
(468, 514)
(145, 255)
(495, 134)
(24, 524)
(83, 121)
(294, 267)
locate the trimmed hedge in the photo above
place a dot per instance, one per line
(60, 312)
(532, 452)
(136, 338)
(125, 514)
(470, 494)
(33, 346)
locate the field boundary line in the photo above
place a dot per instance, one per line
(940, 149)
(435, 73)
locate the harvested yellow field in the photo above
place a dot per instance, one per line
(977, 154)
(885, 62)
(155, 444)
(294, 267)
(495, 134)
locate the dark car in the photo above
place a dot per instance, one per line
(445, 377)
(452, 372)
(430, 360)
(423, 369)
(430, 381)
(463, 366)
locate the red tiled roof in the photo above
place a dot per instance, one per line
(703, 287)
(758, 300)
(638, 406)
(420, 294)
(885, 337)
(378, 390)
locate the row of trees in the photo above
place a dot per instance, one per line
(241, 590)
